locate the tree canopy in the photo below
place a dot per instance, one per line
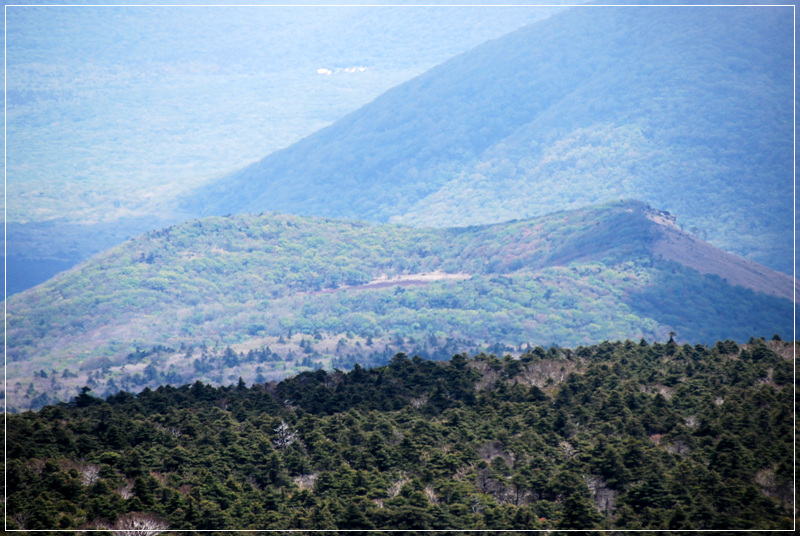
(620, 435)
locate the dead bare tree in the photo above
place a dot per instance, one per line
(431, 495)
(603, 496)
(134, 524)
(284, 436)
(21, 519)
(90, 473)
(568, 450)
(540, 372)
(126, 490)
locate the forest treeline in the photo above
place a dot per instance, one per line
(620, 435)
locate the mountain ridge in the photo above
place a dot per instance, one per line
(686, 108)
(322, 293)
(706, 259)
(154, 100)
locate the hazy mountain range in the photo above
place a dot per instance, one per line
(687, 108)
(113, 111)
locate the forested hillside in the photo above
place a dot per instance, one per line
(621, 435)
(114, 110)
(688, 108)
(265, 296)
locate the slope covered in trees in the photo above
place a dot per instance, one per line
(114, 110)
(688, 108)
(287, 293)
(619, 435)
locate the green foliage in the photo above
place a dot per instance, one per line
(112, 113)
(265, 296)
(617, 436)
(589, 106)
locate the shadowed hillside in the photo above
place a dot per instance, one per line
(687, 108)
(113, 111)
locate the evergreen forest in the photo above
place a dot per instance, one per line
(619, 435)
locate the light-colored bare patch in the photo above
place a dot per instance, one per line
(431, 495)
(540, 373)
(662, 390)
(463, 471)
(305, 481)
(677, 447)
(136, 524)
(767, 380)
(436, 275)
(494, 449)
(665, 391)
(126, 490)
(385, 281)
(419, 402)
(771, 487)
(489, 376)
(603, 496)
(36, 465)
(394, 489)
(567, 450)
(787, 350)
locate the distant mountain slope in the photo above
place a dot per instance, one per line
(688, 108)
(331, 293)
(112, 111)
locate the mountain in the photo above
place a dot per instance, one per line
(625, 435)
(268, 295)
(115, 110)
(688, 108)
